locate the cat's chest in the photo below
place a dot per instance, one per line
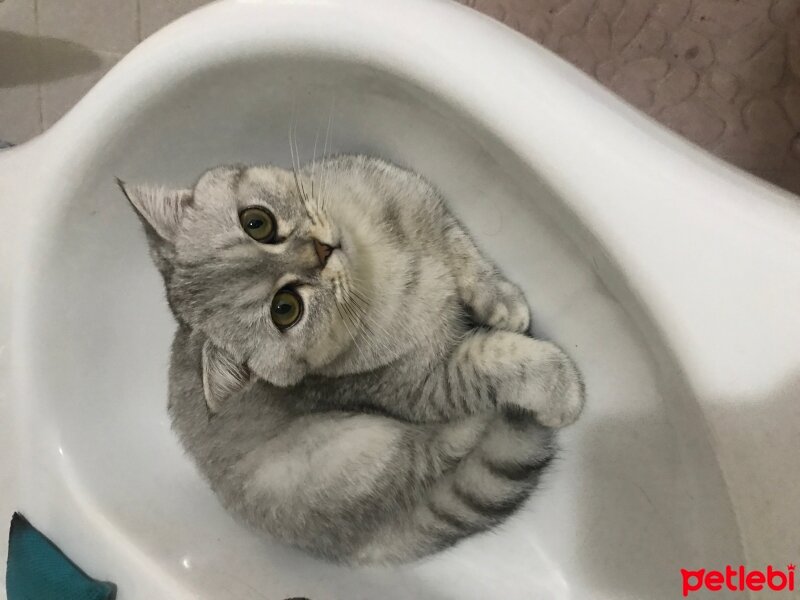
(375, 391)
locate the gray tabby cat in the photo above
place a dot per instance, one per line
(349, 373)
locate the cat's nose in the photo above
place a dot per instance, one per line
(323, 252)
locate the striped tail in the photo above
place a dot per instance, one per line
(482, 490)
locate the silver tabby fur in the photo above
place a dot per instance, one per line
(408, 409)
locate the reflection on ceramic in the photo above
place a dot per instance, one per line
(669, 276)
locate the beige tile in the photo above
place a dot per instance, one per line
(154, 14)
(106, 25)
(59, 95)
(19, 113)
(61, 59)
(19, 94)
(18, 64)
(18, 16)
(18, 44)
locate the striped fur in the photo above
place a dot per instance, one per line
(406, 410)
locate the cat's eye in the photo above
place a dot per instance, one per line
(286, 308)
(259, 224)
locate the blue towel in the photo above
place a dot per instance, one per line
(38, 570)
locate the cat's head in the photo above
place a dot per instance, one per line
(278, 283)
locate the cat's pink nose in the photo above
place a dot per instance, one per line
(323, 252)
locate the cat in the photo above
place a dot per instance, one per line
(349, 372)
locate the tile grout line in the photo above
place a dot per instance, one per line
(39, 95)
(138, 21)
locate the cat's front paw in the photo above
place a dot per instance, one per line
(544, 381)
(500, 304)
(564, 403)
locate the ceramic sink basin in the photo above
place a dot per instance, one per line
(671, 278)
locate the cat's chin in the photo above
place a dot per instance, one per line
(279, 375)
(285, 382)
(345, 365)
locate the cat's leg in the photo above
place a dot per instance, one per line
(525, 373)
(492, 370)
(364, 489)
(354, 487)
(485, 486)
(491, 298)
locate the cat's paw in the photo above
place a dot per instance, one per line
(564, 403)
(544, 381)
(499, 304)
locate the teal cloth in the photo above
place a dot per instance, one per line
(38, 570)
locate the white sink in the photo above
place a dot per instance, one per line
(672, 279)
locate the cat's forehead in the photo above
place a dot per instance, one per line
(271, 185)
(247, 186)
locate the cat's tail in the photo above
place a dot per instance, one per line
(483, 488)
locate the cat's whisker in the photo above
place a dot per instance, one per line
(356, 310)
(295, 149)
(344, 322)
(295, 161)
(339, 308)
(299, 168)
(359, 300)
(360, 309)
(326, 148)
(341, 299)
(357, 324)
(291, 146)
(362, 306)
(295, 152)
(315, 197)
(371, 339)
(361, 320)
(359, 288)
(314, 160)
(364, 297)
(361, 294)
(379, 341)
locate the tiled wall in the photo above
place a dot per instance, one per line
(53, 51)
(723, 73)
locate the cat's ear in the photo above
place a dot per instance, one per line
(223, 376)
(158, 207)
